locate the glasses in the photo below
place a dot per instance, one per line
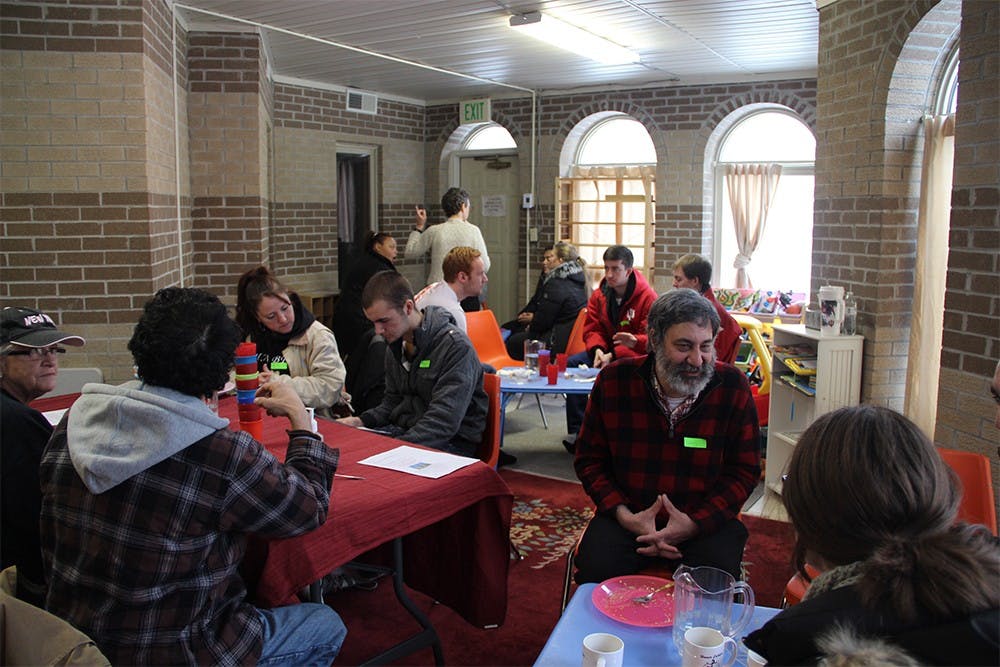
(37, 352)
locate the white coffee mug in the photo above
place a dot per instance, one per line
(603, 650)
(705, 647)
(755, 659)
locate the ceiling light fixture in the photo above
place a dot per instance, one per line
(569, 37)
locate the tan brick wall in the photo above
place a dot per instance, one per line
(305, 165)
(680, 121)
(88, 212)
(971, 341)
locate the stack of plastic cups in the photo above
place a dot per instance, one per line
(247, 382)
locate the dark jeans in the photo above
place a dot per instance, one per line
(607, 550)
(576, 404)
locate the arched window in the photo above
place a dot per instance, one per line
(783, 257)
(608, 198)
(619, 139)
(490, 136)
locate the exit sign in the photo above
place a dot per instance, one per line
(474, 111)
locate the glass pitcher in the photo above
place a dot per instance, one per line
(531, 348)
(703, 597)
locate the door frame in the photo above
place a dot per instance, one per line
(454, 180)
(373, 153)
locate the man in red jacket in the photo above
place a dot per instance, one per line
(615, 327)
(695, 271)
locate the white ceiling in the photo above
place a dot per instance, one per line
(680, 42)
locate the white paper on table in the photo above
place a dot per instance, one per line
(54, 416)
(420, 462)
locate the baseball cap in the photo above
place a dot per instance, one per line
(32, 328)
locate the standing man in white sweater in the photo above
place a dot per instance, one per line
(441, 238)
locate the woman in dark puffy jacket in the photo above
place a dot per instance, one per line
(349, 321)
(561, 296)
(874, 509)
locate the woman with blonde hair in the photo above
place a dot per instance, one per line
(292, 346)
(559, 298)
(874, 509)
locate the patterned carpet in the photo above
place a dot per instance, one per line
(544, 532)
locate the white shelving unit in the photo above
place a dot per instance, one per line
(838, 384)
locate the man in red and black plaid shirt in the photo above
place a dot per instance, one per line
(669, 450)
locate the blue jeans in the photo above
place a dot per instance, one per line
(301, 634)
(576, 404)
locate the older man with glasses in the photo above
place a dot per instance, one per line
(30, 347)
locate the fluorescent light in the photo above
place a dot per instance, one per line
(569, 37)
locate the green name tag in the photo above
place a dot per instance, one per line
(696, 443)
(426, 363)
(279, 365)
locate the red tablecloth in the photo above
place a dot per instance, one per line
(456, 528)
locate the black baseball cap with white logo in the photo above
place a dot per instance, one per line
(32, 328)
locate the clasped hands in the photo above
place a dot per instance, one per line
(663, 542)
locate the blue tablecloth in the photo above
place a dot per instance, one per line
(644, 647)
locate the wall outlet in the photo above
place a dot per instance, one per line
(533, 235)
(528, 200)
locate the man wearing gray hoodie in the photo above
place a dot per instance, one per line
(148, 499)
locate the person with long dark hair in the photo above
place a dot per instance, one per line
(349, 321)
(292, 346)
(874, 509)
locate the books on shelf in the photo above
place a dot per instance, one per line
(801, 365)
(804, 383)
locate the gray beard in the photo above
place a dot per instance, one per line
(677, 383)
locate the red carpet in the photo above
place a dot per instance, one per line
(548, 517)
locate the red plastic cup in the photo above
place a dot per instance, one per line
(248, 384)
(561, 361)
(254, 428)
(246, 349)
(249, 412)
(246, 369)
(543, 361)
(553, 373)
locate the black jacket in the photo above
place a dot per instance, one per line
(349, 321)
(790, 637)
(561, 297)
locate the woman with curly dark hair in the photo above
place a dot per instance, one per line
(148, 499)
(292, 346)
(874, 508)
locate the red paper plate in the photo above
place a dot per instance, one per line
(614, 599)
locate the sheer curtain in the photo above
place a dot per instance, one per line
(346, 206)
(751, 190)
(933, 222)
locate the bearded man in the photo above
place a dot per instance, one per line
(669, 450)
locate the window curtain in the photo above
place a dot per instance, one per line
(933, 222)
(346, 206)
(588, 217)
(751, 190)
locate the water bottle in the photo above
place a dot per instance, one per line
(850, 314)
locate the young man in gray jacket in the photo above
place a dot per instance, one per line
(433, 379)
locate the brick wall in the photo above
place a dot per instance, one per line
(229, 206)
(310, 124)
(864, 232)
(88, 210)
(971, 340)
(680, 121)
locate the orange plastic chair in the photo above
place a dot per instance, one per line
(489, 448)
(977, 505)
(575, 343)
(484, 332)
